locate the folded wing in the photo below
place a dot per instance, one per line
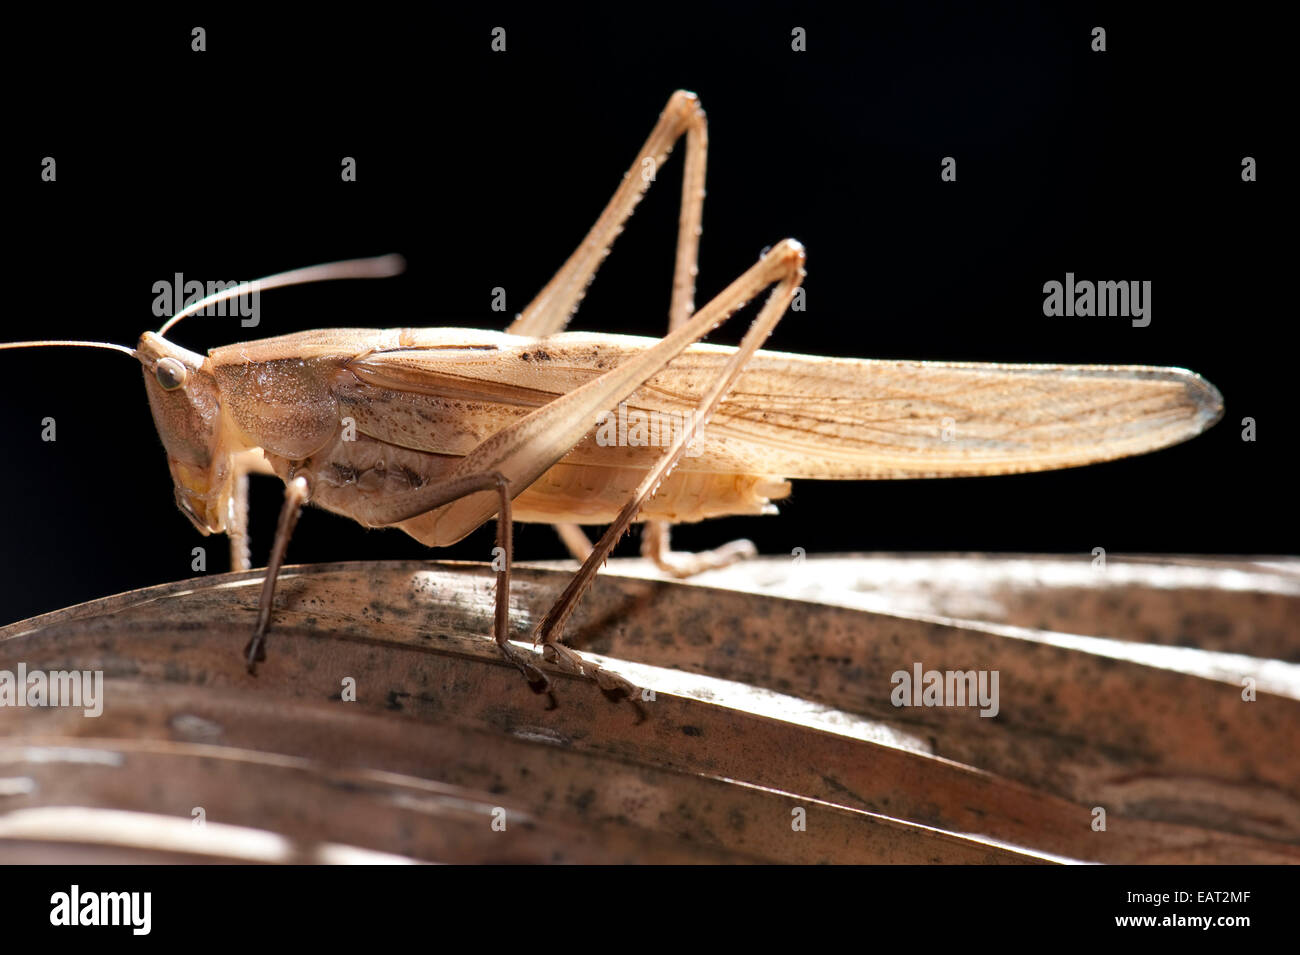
(809, 417)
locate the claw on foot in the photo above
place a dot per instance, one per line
(535, 677)
(684, 564)
(572, 661)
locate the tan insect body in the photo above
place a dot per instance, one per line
(437, 430)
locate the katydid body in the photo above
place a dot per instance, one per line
(367, 414)
(438, 430)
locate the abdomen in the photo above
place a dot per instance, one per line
(593, 494)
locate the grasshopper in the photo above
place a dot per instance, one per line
(438, 430)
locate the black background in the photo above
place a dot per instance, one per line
(485, 169)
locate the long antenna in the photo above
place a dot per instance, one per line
(379, 267)
(109, 345)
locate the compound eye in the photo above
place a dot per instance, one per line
(170, 373)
